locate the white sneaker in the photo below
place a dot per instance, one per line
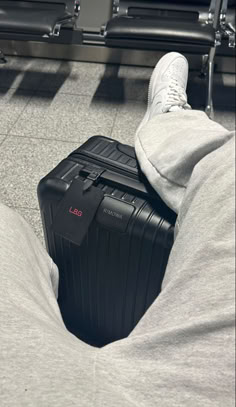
(167, 87)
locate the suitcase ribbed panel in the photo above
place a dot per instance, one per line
(130, 268)
(108, 297)
(108, 283)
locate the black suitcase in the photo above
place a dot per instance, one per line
(110, 235)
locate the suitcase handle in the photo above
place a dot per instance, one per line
(119, 180)
(127, 150)
(122, 180)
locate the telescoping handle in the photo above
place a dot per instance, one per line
(115, 179)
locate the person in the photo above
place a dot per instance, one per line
(181, 353)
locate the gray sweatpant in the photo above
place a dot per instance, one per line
(182, 351)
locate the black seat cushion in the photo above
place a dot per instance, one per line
(31, 18)
(126, 28)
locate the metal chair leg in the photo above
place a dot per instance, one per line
(209, 108)
(204, 67)
(2, 58)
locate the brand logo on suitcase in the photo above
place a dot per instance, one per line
(113, 213)
(75, 211)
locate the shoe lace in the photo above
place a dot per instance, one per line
(176, 96)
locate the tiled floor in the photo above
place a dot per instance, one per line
(48, 108)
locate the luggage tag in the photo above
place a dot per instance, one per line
(77, 210)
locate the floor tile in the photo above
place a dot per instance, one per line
(79, 78)
(135, 82)
(125, 83)
(23, 162)
(65, 117)
(127, 121)
(23, 73)
(2, 137)
(226, 118)
(229, 80)
(111, 85)
(12, 105)
(32, 216)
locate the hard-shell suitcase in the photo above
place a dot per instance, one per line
(110, 235)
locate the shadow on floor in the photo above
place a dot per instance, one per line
(120, 89)
(223, 93)
(32, 80)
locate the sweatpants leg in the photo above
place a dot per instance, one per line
(182, 351)
(169, 147)
(41, 363)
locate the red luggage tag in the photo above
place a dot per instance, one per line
(77, 210)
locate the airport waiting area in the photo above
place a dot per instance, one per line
(50, 106)
(71, 70)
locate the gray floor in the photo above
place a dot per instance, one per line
(48, 108)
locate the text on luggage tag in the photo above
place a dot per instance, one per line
(76, 212)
